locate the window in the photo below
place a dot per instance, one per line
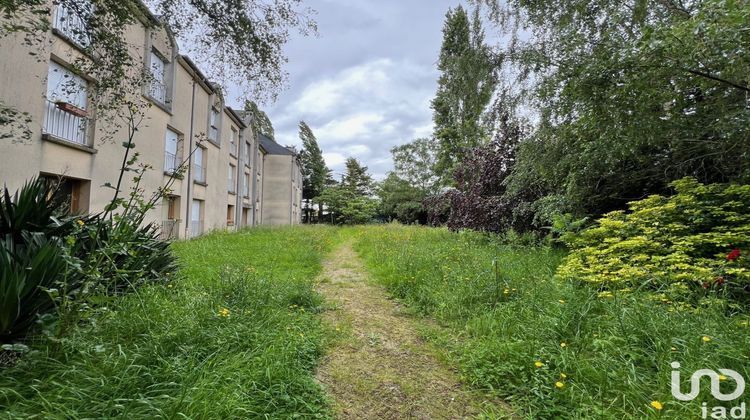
(199, 168)
(170, 227)
(246, 186)
(65, 114)
(158, 88)
(72, 21)
(230, 215)
(213, 129)
(171, 161)
(245, 217)
(233, 141)
(231, 187)
(73, 192)
(196, 218)
(248, 154)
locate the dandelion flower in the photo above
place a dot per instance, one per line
(563, 375)
(657, 405)
(559, 385)
(538, 364)
(80, 222)
(722, 378)
(706, 339)
(563, 345)
(561, 301)
(674, 348)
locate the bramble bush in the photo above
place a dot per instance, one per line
(689, 244)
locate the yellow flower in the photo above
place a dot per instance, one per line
(506, 291)
(561, 301)
(80, 222)
(606, 294)
(563, 375)
(674, 348)
(722, 378)
(538, 364)
(224, 312)
(563, 345)
(657, 405)
(559, 385)
(706, 339)
(169, 286)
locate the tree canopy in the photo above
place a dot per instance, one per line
(465, 87)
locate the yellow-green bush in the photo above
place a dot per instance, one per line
(677, 241)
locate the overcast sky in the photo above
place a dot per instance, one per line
(365, 83)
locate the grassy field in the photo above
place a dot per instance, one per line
(552, 349)
(237, 335)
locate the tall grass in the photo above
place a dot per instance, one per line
(553, 349)
(236, 336)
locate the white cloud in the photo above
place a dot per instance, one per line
(364, 110)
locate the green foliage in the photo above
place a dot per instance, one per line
(315, 173)
(682, 241)
(54, 262)
(465, 87)
(628, 95)
(347, 207)
(415, 163)
(33, 264)
(356, 179)
(500, 311)
(359, 211)
(401, 200)
(261, 123)
(236, 335)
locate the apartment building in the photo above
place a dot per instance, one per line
(281, 199)
(186, 125)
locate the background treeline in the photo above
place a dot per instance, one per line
(583, 107)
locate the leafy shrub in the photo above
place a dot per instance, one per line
(685, 241)
(33, 259)
(50, 259)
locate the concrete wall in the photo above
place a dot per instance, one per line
(282, 190)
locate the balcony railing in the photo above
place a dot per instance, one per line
(171, 163)
(199, 173)
(158, 91)
(170, 229)
(196, 229)
(72, 23)
(60, 122)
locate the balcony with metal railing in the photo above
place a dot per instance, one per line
(170, 229)
(158, 90)
(199, 173)
(71, 22)
(171, 163)
(65, 121)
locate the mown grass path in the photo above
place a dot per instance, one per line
(381, 368)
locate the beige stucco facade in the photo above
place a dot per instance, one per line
(185, 123)
(282, 185)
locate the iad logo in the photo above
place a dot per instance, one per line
(738, 412)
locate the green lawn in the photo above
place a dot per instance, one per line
(552, 349)
(236, 336)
